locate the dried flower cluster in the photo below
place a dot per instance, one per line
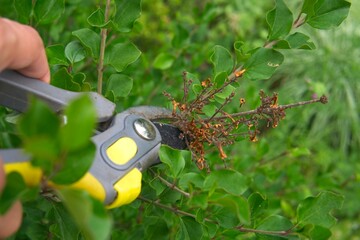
(222, 128)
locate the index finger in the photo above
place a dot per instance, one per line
(22, 50)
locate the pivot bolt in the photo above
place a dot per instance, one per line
(144, 129)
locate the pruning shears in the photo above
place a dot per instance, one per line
(127, 143)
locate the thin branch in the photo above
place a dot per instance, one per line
(322, 99)
(170, 185)
(240, 228)
(103, 35)
(267, 232)
(171, 209)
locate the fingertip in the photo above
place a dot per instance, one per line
(46, 78)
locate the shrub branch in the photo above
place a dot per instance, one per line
(103, 35)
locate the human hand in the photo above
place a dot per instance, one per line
(22, 50)
(11, 220)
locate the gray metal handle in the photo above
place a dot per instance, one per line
(16, 88)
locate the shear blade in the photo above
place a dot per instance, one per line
(171, 136)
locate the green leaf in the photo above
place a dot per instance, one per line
(74, 52)
(319, 233)
(173, 159)
(119, 85)
(274, 223)
(47, 11)
(209, 110)
(62, 79)
(230, 211)
(89, 214)
(241, 55)
(308, 8)
(230, 181)
(97, 19)
(90, 40)
(64, 226)
(126, 14)
(196, 88)
(280, 20)
(38, 112)
(220, 78)
(78, 130)
(44, 151)
(325, 14)
(163, 61)
(189, 229)
(40, 140)
(257, 204)
(56, 55)
(296, 41)
(221, 60)
(74, 165)
(316, 210)
(121, 55)
(23, 10)
(262, 64)
(14, 188)
(221, 96)
(79, 78)
(191, 178)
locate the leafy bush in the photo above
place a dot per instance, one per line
(131, 52)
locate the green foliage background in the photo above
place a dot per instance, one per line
(315, 149)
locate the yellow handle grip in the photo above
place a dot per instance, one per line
(31, 175)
